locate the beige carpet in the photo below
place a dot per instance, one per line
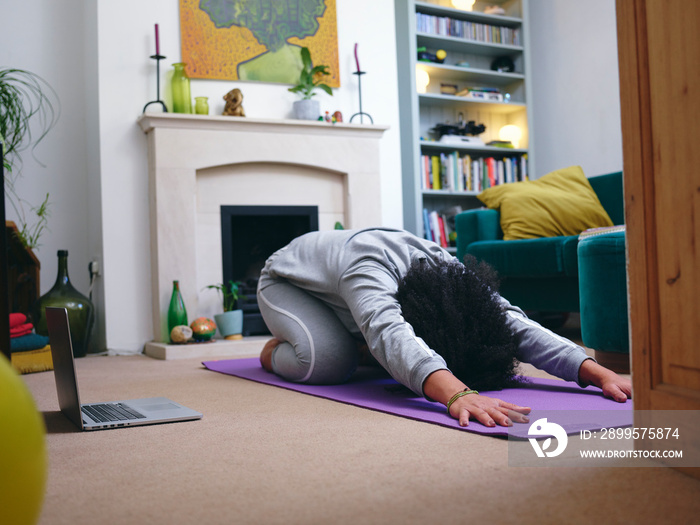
(268, 455)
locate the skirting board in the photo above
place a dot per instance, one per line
(246, 347)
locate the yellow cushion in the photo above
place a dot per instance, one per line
(559, 203)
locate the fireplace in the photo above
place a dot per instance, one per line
(197, 164)
(249, 235)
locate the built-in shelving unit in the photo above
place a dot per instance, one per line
(471, 41)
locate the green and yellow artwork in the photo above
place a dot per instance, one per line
(258, 40)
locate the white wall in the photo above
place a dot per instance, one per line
(575, 82)
(47, 38)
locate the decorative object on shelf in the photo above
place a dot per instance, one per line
(81, 311)
(494, 10)
(310, 78)
(177, 313)
(511, 133)
(230, 322)
(461, 128)
(503, 64)
(180, 334)
(201, 105)
(425, 56)
(157, 57)
(481, 93)
(23, 455)
(448, 89)
(500, 144)
(203, 329)
(234, 103)
(337, 116)
(461, 140)
(180, 85)
(359, 74)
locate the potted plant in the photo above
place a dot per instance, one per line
(230, 322)
(30, 108)
(310, 79)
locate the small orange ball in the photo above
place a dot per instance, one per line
(203, 329)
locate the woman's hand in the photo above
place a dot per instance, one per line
(614, 386)
(441, 386)
(487, 410)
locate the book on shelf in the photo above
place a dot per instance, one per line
(479, 32)
(452, 172)
(440, 226)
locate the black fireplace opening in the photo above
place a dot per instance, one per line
(249, 235)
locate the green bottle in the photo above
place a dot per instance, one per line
(177, 314)
(81, 311)
(180, 84)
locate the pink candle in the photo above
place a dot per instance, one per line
(157, 41)
(357, 60)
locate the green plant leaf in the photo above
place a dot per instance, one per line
(325, 88)
(306, 58)
(28, 104)
(309, 77)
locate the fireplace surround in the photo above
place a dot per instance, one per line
(199, 163)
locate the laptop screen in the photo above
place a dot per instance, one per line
(63, 363)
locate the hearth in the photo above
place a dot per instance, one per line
(249, 235)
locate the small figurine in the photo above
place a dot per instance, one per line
(337, 116)
(234, 104)
(327, 117)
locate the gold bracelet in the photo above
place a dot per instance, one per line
(455, 397)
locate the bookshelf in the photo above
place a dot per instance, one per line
(472, 40)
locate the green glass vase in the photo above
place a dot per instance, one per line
(201, 105)
(180, 85)
(81, 311)
(177, 313)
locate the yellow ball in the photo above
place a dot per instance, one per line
(441, 54)
(22, 450)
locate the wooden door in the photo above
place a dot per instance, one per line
(659, 58)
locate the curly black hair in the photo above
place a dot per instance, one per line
(453, 307)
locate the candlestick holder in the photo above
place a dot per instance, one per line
(361, 114)
(157, 58)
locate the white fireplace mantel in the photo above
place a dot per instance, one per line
(198, 162)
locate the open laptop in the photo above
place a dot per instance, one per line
(97, 416)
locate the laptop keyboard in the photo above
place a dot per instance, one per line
(106, 412)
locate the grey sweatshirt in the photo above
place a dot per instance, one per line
(357, 272)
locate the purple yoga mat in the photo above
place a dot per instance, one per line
(373, 388)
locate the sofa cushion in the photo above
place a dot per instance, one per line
(551, 256)
(561, 203)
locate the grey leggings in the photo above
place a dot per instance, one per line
(316, 348)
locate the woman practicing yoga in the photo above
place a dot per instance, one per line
(438, 326)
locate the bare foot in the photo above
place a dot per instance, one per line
(266, 354)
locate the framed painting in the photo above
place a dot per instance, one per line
(258, 40)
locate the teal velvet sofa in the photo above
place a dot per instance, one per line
(540, 274)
